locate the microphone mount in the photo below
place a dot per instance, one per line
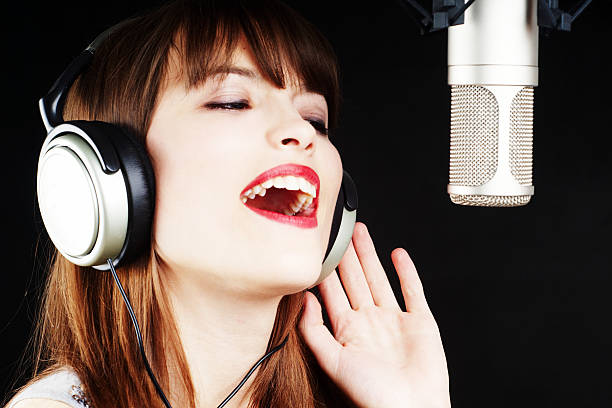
(446, 13)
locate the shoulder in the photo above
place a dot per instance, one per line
(60, 388)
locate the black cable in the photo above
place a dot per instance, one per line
(160, 392)
(246, 377)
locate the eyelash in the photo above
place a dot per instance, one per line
(238, 105)
(318, 125)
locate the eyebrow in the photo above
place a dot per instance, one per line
(246, 72)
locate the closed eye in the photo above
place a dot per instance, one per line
(237, 105)
(319, 126)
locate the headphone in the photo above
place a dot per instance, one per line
(96, 186)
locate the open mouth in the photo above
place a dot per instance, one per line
(286, 193)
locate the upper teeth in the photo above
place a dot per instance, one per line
(286, 182)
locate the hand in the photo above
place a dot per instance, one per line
(379, 355)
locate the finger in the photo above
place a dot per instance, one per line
(374, 272)
(353, 279)
(323, 345)
(334, 297)
(412, 289)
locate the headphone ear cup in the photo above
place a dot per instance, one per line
(140, 186)
(343, 224)
(95, 188)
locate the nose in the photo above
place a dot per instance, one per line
(292, 132)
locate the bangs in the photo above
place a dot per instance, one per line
(285, 46)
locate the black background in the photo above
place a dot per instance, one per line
(521, 295)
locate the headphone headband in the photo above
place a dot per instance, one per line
(52, 104)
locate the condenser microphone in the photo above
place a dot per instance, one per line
(492, 72)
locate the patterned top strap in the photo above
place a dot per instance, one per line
(62, 386)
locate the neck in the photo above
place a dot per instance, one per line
(212, 322)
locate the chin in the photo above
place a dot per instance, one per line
(292, 278)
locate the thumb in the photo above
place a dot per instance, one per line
(323, 345)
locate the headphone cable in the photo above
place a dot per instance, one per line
(160, 392)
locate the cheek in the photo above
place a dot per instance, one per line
(331, 181)
(196, 175)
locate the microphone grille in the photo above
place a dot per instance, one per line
(521, 136)
(474, 135)
(474, 142)
(478, 200)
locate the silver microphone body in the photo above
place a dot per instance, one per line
(492, 71)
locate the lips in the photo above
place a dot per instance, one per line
(286, 170)
(309, 219)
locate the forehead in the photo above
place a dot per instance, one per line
(240, 60)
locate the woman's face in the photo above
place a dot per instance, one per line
(208, 145)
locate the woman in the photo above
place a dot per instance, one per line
(220, 92)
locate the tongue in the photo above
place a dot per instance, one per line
(276, 199)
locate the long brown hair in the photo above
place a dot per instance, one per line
(83, 323)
